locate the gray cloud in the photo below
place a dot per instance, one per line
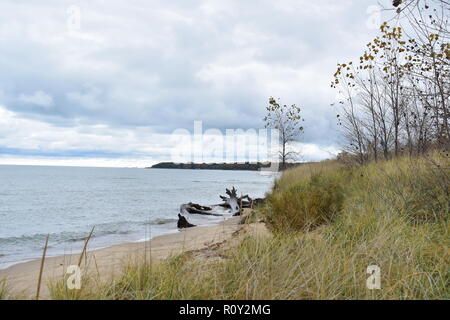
(161, 65)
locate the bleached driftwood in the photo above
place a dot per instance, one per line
(236, 204)
(194, 208)
(230, 201)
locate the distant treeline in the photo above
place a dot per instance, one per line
(218, 166)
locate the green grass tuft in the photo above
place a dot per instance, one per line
(307, 204)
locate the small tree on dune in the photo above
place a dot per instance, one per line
(288, 121)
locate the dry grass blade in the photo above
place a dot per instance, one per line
(85, 246)
(240, 207)
(3, 289)
(41, 268)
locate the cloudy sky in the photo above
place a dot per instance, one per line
(107, 82)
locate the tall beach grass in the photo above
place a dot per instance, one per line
(3, 290)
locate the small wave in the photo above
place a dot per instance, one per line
(78, 239)
(24, 238)
(160, 221)
(104, 229)
(211, 181)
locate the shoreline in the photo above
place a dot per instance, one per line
(22, 278)
(62, 251)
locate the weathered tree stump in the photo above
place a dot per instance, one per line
(232, 200)
(237, 204)
(183, 223)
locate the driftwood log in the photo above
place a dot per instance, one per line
(183, 223)
(194, 208)
(230, 201)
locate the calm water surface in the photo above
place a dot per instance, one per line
(123, 204)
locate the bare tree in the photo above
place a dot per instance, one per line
(287, 120)
(429, 67)
(396, 99)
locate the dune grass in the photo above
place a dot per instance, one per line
(329, 224)
(3, 290)
(308, 203)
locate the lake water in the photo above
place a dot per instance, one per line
(124, 205)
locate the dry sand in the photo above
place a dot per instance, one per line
(22, 278)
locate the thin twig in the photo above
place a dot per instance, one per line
(240, 207)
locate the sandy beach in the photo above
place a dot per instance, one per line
(22, 278)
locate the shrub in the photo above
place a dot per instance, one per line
(306, 206)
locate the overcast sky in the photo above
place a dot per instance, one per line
(106, 82)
